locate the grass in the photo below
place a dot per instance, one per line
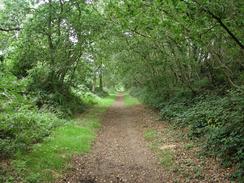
(166, 155)
(189, 146)
(130, 101)
(150, 134)
(166, 158)
(47, 160)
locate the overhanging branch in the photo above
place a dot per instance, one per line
(219, 20)
(10, 29)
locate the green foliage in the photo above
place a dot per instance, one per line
(181, 57)
(218, 121)
(22, 125)
(64, 103)
(130, 101)
(20, 130)
(49, 157)
(107, 101)
(150, 98)
(101, 93)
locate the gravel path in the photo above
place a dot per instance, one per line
(120, 153)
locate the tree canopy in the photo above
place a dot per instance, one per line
(175, 55)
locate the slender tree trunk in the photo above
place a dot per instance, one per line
(94, 83)
(50, 45)
(101, 81)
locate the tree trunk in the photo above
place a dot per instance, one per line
(101, 80)
(94, 83)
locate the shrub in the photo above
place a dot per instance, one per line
(20, 130)
(21, 123)
(218, 121)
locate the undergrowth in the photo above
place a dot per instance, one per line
(130, 100)
(216, 121)
(48, 159)
(38, 133)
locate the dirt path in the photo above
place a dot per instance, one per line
(120, 153)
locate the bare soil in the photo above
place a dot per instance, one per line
(121, 154)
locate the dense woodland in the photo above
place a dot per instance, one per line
(182, 57)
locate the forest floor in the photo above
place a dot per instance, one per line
(134, 146)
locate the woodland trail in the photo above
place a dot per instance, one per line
(120, 153)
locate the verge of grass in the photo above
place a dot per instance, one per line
(166, 158)
(47, 160)
(130, 101)
(165, 155)
(150, 134)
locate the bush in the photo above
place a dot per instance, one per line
(150, 98)
(20, 130)
(21, 123)
(218, 121)
(64, 104)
